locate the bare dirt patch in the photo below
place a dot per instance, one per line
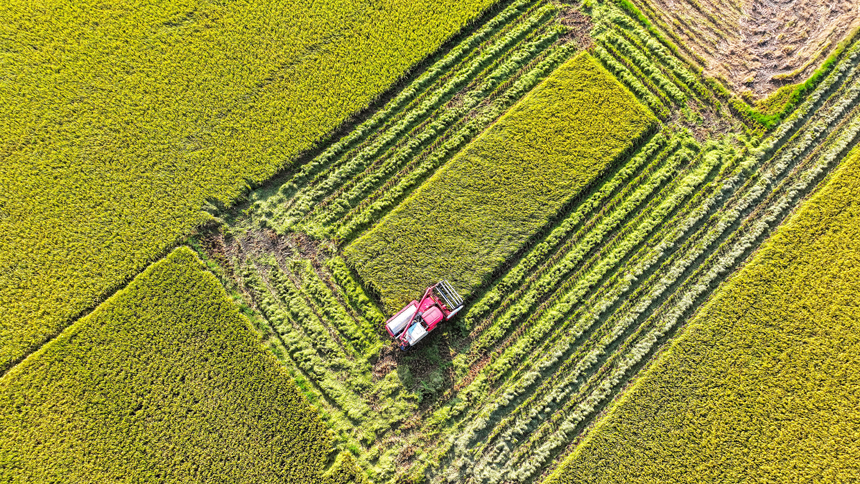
(758, 45)
(579, 25)
(386, 362)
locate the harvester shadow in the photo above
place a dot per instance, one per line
(426, 370)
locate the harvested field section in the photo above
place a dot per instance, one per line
(479, 209)
(654, 69)
(163, 382)
(756, 45)
(322, 326)
(763, 382)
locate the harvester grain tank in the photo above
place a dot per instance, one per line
(412, 323)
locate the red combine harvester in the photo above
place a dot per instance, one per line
(440, 303)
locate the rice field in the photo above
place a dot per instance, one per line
(629, 230)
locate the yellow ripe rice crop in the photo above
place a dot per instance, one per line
(478, 210)
(762, 385)
(119, 120)
(162, 382)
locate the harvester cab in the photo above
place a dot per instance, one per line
(412, 323)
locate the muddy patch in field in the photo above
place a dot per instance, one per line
(578, 23)
(758, 45)
(385, 363)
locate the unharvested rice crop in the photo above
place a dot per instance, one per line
(119, 121)
(478, 210)
(763, 383)
(163, 382)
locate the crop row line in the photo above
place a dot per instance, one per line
(631, 81)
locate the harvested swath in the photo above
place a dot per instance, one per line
(165, 381)
(320, 333)
(754, 46)
(122, 121)
(454, 116)
(649, 65)
(482, 206)
(761, 384)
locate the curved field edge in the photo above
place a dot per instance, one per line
(107, 163)
(163, 381)
(762, 382)
(481, 207)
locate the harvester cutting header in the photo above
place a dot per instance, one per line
(439, 303)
